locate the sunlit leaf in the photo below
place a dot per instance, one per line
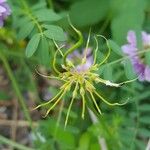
(84, 142)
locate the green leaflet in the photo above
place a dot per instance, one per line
(32, 45)
(129, 69)
(144, 132)
(40, 5)
(43, 52)
(25, 30)
(54, 32)
(144, 108)
(116, 48)
(108, 74)
(22, 21)
(47, 15)
(140, 144)
(140, 97)
(147, 57)
(145, 120)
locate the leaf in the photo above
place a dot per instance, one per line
(116, 48)
(84, 142)
(130, 74)
(94, 146)
(88, 12)
(141, 96)
(108, 73)
(47, 15)
(39, 5)
(43, 52)
(25, 30)
(32, 45)
(144, 132)
(127, 135)
(144, 107)
(140, 144)
(128, 16)
(51, 129)
(19, 22)
(54, 32)
(147, 57)
(145, 120)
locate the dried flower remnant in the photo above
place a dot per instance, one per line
(141, 68)
(82, 77)
(4, 11)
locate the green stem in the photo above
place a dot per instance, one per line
(127, 57)
(76, 45)
(27, 11)
(54, 63)
(13, 144)
(35, 22)
(17, 90)
(50, 4)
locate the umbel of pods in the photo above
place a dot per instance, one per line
(82, 80)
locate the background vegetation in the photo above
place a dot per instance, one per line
(22, 50)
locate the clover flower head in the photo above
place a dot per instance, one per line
(80, 78)
(140, 67)
(4, 11)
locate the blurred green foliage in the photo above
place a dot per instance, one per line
(30, 32)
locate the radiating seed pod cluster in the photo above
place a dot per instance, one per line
(81, 77)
